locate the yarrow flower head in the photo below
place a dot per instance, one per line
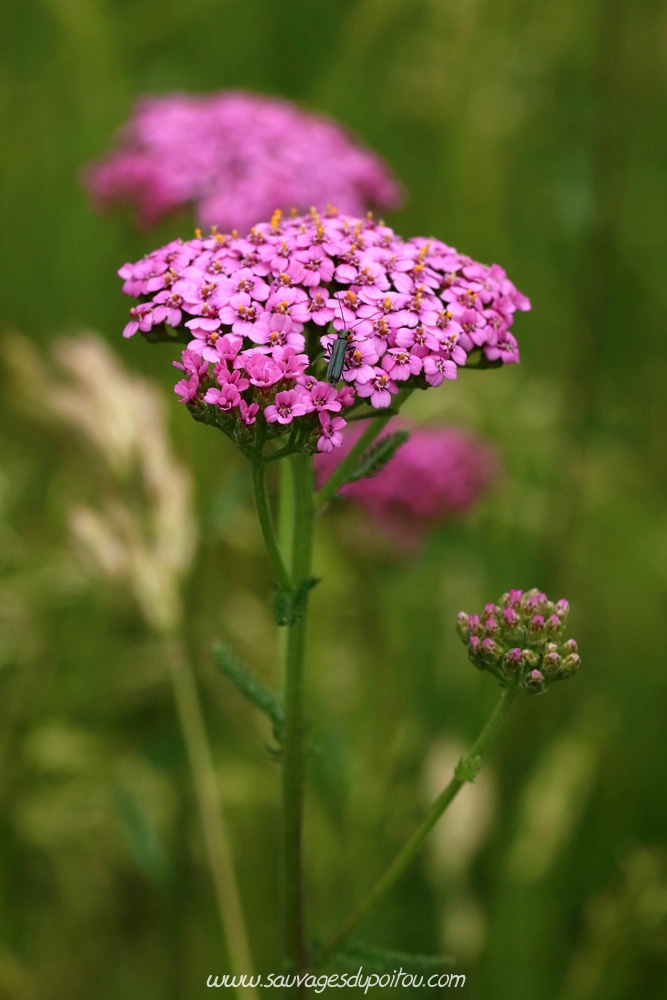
(260, 315)
(437, 475)
(236, 156)
(520, 640)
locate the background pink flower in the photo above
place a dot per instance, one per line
(236, 157)
(439, 474)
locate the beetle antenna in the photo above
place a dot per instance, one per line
(363, 319)
(342, 315)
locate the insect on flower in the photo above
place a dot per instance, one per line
(337, 358)
(339, 348)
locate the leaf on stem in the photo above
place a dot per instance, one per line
(263, 698)
(290, 606)
(376, 457)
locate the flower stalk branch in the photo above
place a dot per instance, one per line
(465, 771)
(258, 470)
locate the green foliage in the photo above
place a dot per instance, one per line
(378, 454)
(381, 960)
(265, 700)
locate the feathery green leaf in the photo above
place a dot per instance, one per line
(376, 457)
(263, 698)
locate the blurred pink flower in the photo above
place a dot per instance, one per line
(439, 474)
(236, 157)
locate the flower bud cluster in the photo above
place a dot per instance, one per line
(520, 640)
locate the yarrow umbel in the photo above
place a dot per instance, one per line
(257, 312)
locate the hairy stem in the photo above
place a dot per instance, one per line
(293, 772)
(210, 809)
(257, 467)
(344, 470)
(464, 772)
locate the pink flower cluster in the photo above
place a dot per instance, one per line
(261, 308)
(236, 156)
(437, 475)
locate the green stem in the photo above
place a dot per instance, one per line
(257, 467)
(285, 532)
(285, 506)
(343, 471)
(293, 771)
(465, 771)
(210, 809)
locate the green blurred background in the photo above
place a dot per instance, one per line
(526, 133)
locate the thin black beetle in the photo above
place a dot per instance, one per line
(337, 358)
(339, 349)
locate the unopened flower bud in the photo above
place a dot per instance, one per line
(570, 665)
(462, 626)
(512, 661)
(474, 652)
(490, 651)
(536, 628)
(562, 609)
(491, 626)
(474, 625)
(534, 601)
(530, 657)
(512, 599)
(568, 647)
(553, 625)
(550, 663)
(490, 610)
(535, 682)
(510, 617)
(512, 624)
